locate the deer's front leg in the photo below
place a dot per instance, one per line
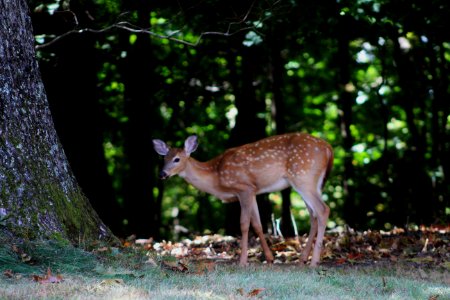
(257, 227)
(246, 210)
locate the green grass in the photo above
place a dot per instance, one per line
(125, 275)
(231, 283)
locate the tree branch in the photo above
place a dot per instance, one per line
(131, 28)
(127, 26)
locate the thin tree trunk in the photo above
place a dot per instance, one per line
(445, 136)
(415, 179)
(346, 118)
(39, 196)
(249, 127)
(141, 206)
(277, 79)
(439, 157)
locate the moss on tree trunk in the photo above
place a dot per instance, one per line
(39, 196)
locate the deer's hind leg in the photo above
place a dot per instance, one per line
(309, 188)
(311, 236)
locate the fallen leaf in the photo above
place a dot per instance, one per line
(197, 251)
(446, 265)
(48, 278)
(144, 241)
(175, 266)
(114, 273)
(341, 261)
(327, 253)
(183, 267)
(15, 249)
(151, 261)
(240, 291)
(255, 292)
(112, 281)
(423, 274)
(127, 244)
(384, 251)
(424, 249)
(424, 259)
(131, 238)
(167, 245)
(355, 256)
(102, 249)
(393, 258)
(286, 245)
(25, 257)
(204, 267)
(8, 273)
(383, 279)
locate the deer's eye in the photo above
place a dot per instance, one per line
(176, 159)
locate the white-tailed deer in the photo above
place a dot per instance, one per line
(271, 164)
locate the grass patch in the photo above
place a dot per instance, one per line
(124, 274)
(28, 258)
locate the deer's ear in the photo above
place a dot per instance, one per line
(160, 147)
(190, 144)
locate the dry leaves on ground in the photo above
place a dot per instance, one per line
(48, 278)
(427, 247)
(252, 293)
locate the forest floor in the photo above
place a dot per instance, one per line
(399, 264)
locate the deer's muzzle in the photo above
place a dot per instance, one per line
(163, 175)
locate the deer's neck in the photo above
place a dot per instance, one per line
(201, 175)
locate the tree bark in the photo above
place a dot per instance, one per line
(79, 119)
(39, 196)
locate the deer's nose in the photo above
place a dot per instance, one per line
(163, 175)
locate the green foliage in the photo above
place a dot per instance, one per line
(397, 74)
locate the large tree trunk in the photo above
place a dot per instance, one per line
(77, 114)
(39, 196)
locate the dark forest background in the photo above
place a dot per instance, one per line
(370, 77)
